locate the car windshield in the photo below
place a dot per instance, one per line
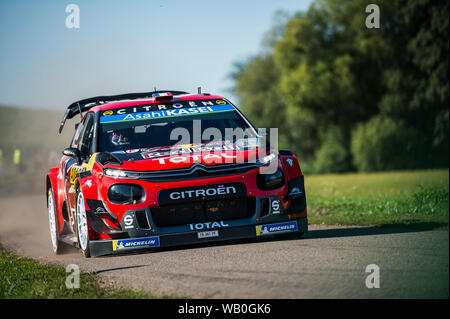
(130, 129)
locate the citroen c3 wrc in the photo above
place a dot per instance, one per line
(168, 168)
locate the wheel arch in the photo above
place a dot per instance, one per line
(48, 185)
(51, 183)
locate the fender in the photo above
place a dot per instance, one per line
(76, 171)
(80, 176)
(290, 164)
(53, 183)
(88, 185)
(296, 188)
(86, 181)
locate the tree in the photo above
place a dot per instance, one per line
(324, 76)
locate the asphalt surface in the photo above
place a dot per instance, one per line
(328, 262)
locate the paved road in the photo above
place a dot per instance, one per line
(328, 262)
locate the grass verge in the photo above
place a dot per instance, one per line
(416, 199)
(26, 278)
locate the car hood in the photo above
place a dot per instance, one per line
(184, 156)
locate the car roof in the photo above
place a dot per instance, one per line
(134, 102)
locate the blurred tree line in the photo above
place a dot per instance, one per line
(346, 97)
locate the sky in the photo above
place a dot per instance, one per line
(125, 46)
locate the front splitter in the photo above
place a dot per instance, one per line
(118, 246)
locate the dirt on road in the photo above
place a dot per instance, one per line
(328, 262)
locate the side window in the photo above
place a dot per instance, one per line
(76, 138)
(86, 139)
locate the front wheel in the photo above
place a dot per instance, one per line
(82, 226)
(53, 222)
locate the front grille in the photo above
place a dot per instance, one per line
(203, 211)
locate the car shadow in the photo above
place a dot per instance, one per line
(352, 231)
(118, 268)
(66, 249)
(328, 232)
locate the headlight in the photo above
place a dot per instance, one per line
(114, 173)
(267, 159)
(270, 181)
(126, 194)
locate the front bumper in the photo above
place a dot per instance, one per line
(221, 219)
(279, 225)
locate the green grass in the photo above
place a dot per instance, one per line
(26, 278)
(417, 199)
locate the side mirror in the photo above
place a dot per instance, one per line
(73, 152)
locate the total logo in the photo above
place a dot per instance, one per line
(208, 225)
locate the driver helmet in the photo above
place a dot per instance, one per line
(118, 138)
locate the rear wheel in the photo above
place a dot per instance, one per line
(82, 226)
(53, 222)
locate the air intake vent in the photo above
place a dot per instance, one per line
(142, 221)
(265, 209)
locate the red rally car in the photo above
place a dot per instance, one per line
(168, 168)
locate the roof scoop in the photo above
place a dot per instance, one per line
(165, 96)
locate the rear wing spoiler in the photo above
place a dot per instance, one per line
(81, 106)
